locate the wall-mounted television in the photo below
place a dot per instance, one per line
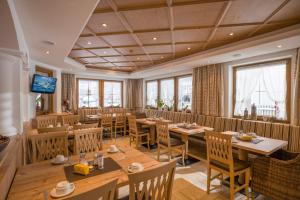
(43, 84)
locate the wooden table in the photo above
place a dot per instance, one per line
(32, 180)
(185, 133)
(151, 123)
(99, 116)
(265, 147)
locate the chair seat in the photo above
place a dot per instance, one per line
(173, 142)
(238, 165)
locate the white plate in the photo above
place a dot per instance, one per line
(135, 170)
(54, 162)
(55, 195)
(109, 151)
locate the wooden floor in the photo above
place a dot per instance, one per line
(188, 180)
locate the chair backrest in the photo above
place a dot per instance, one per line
(54, 129)
(155, 183)
(132, 125)
(70, 119)
(46, 121)
(85, 126)
(219, 148)
(88, 140)
(163, 136)
(108, 191)
(120, 118)
(106, 119)
(49, 145)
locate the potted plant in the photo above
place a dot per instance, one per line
(160, 104)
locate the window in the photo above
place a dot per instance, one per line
(167, 92)
(264, 85)
(185, 92)
(152, 93)
(112, 93)
(88, 92)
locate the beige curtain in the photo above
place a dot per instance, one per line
(208, 90)
(295, 119)
(68, 90)
(134, 96)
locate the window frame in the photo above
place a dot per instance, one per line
(288, 87)
(175, 78)
(101, 90)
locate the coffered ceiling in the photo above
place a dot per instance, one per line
(131, 35)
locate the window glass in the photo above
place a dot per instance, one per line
(185, 92)
(88, 93)
(112, 93)
(152, 93)
(167, 92)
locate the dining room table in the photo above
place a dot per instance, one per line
(35, 181)
(99, 116)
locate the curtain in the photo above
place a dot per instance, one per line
(68, 90)
(208, 90)
(295, 119)
(134, 96)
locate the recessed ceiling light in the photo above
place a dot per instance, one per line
(162, 57)
(189, 48)
(47, 52)
(104, 25)
(89, 42)
(231, 34)
(104, 52)
(279, 46)
(155, 38)
(138, 58)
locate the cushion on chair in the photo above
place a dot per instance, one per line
(238, 165)
(173, 142)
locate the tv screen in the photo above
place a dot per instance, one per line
(43, 84)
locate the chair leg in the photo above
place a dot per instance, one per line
(158, 152)
(208, 179)
(182, 155)
(231, 186)
(170, 154)
(247, 177)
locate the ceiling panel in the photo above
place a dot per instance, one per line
(288, 12)
(94, 60)
(197, 15)
(159, 49)
(191, 35)
(242, 11)
(147, 19)
(113, 23)
(88, 42)
(86, 31)
(103, 5)
(142, 63)
(184, 49)
(104, 65)
(120, 40)
(80, 53)
(124, 64)
(161, 37)
(105, 52)
(130, 50)
(116, 59)
(161, 57)
(239, 32)
(131, 3)
(138, 58)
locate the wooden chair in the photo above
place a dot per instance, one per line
(108, 191)
(48, 146)
(155, 183)
(107, 123)
(164, 141)
(137, 135)
(88, 140)
(70, 119)
(120, 123)
(54, 129)
(219, 158)
(46, 121)
(85, 126)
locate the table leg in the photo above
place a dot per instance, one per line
(185, 139)
(243, 155)
(152, 135)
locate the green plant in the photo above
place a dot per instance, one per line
(160, 103)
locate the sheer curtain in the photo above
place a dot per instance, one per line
(295, 120)
(134, 97)
(68, 90)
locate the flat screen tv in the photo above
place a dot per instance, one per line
(43, 84)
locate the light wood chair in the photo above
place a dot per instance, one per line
(46, 121)
(164, 141)
(48, 146)
(155, 183)
(120, 123)
(108, 191)
(219, 158)
(54, 129)
(70, 119)
(137, 135)
(85, 126)
(88, 140)
(107, 123)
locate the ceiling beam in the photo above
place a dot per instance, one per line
(171, 21)
(160, 5)
(126, 55)
(219, 21)
(269, 18)
(126, 24)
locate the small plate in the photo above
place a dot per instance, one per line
(109, 151)
(54, 162)
(135, 170)
(55, 195)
